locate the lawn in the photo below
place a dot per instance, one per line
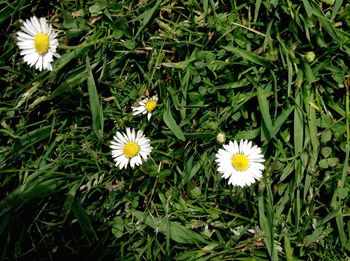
(193, 79)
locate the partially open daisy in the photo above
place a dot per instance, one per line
(130, 147)
(240, 163)
(38, 43)
(146, 106)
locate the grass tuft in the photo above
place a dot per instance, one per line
(274, 72)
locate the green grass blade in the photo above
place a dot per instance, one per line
(268, 39)
(265, 112)
(84, 220)
(172, 125)
(309, 10)
(314, 236)
(174, 230)
(67, 86)
(337, 6)
(146, 17)
(320, 226)
(288, 249)
(310, 78)
(250, 56)
(339, 195)
(326, 24)
(249, 134)
(281, 119)
(67, 206)
(257, 8)
(95, 106)
(298, 125)
(266, 227)
(36, 189)
(66, 58)
(242, 68)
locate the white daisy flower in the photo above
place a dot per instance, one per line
(130, 147)
(240, 163)
(38, 43)
(146, 106)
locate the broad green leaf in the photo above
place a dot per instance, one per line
(326, 136)
(323, 163)
(326, 151)
(118, 227)
(130, 44)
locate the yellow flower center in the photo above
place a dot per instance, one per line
(150, 105)
(240, 162)
(131, 149)
(41, 43)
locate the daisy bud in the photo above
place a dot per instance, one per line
(310, 56)
(221, 137)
